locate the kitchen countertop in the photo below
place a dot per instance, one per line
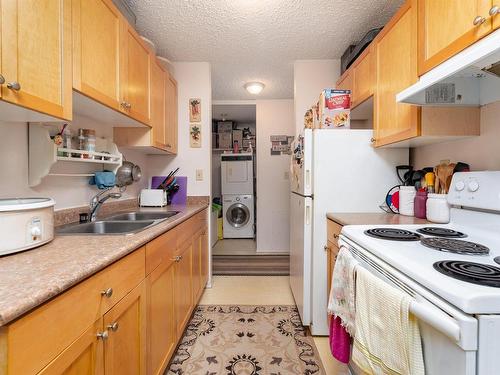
(373, 218)
(31, 278)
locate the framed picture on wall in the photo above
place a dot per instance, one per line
(194, 110)
(194, 135)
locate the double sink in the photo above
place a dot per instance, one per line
(124, 223)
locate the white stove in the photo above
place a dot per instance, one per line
(450, 270)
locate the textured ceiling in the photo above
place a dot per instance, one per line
(247, 40)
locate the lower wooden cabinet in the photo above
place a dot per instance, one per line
(126, 319)
(125, 325)
(183, 286)
(162, 330)
(84, 356)
(332, 249)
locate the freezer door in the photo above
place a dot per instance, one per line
(300, 254)
(301, 164)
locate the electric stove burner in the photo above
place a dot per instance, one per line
(455, 246)
(441, 232)
(476, 273)
(497, 260)
(393, 234)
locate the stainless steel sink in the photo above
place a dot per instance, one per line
(138, 215)
(106, 227)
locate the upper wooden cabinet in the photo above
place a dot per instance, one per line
(135, 79)
(396, 69)
(96, 51)
(171, 115)
(158, 104)
(448, 26)
(359, 78)
(36, 55)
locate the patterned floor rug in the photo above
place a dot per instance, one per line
(246, 340)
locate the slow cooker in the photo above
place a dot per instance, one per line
(25, 223)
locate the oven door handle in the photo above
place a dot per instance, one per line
(436, 318)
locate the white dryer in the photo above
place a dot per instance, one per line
(237, 173)
(238, 211)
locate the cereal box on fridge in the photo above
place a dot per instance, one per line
(335, 109)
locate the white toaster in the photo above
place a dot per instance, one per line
(153, 198)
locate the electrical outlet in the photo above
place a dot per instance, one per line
(199, 175)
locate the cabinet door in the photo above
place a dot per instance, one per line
(346, 81)
(162, 334)
(448, 26)
(96, 50)
(83, 357)
(196, 266)
(183, 287)
(134, 79)
(496, 17)
(171, 115)
(36, 55)
(204, 258)
(125, 348)
(158, 104)
(332, 252)
(362, 87)
(396, 69)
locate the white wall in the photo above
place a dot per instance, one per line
(274, 117)
(194, 81)
(309, 78)
(482, 152)
(67, 191)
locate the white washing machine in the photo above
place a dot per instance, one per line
(237, 173)
(238, 213)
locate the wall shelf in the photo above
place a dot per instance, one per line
(44, 155)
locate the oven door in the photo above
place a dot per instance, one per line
(449, 337)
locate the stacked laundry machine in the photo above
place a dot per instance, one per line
(237, 185)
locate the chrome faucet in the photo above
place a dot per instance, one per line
(98, 199)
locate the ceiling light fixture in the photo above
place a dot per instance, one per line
(254, 87)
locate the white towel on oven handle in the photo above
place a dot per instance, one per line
(341, 302)
(387, 338)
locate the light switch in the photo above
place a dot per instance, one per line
(199, 175)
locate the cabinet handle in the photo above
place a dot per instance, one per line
(103, 335)
(169, 145)
(335, 236)
(372, 140)
(326, 248)
(2, 79)
(478, 20)
(177, 258)
(107, 292)
(113, 326)
(14, 86)
(128, 105)
(494, 10)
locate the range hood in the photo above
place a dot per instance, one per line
(470, 78)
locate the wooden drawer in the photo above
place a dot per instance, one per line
(160, 249)
(333, 231)
(37, 338)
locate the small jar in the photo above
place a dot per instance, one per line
(420, 205)
(89, 142)
(407, 200)
(438, 209)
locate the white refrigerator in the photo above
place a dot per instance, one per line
(331, 171)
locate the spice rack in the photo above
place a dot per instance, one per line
(45, 157)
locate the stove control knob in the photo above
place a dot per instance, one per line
(459, 186)
(473, 185)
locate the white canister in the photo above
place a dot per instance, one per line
(407, 200)
(437, 208)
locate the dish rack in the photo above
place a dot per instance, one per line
(47, 159)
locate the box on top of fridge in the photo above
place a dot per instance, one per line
(334, 109)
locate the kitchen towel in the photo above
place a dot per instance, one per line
(340, 340)
(342, 292)
(103, 180)
(387, 339)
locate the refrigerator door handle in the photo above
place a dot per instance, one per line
(308, 215)
(308, 179)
